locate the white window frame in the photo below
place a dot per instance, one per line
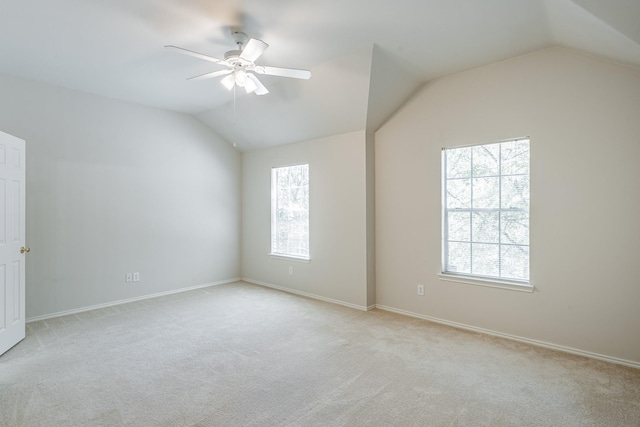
(276, 249)
(470, 278)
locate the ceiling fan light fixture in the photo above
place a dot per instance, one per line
(241, 78)
(229, 81)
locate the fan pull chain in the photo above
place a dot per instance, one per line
(234, 111)
(234, 106)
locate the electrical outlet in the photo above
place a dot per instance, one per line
(291, 270)
(421, 290)
(136, 276)
(129, 277)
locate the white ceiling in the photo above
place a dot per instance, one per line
(366, 56)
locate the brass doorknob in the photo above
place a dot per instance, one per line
(25, 250)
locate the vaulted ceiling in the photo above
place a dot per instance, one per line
(366, 56)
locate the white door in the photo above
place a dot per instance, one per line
(12, 241)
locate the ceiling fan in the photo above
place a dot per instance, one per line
(241, 67)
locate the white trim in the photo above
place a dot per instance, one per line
(537, 343)
(308, 295)
(486, 143)
(128, 300)
(290, 258)
(288, 165)
(491, 283)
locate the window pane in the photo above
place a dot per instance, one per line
(458, 193)
(515, 192)
(459, 224)
(515, 157)
(486, 193)
(514, 227)
(485, 259)
(458, 162)
(459, 258)
(485, 227)
(515, 262)
(486, 160)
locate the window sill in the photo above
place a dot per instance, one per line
(500, 284)
(290, 258)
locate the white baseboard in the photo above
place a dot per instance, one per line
(308, 295)
(545, 344)
(538, 343)
(124, 301)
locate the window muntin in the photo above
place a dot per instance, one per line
(290, 211)
(485, 219)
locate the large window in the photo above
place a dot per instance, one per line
(486, 211)
(290, 211)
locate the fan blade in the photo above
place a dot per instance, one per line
(211, 75)
(253, 50)
(260, 89)
(283, 72)
(250, 86)
(198, 55)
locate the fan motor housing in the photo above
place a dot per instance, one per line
(233, 58)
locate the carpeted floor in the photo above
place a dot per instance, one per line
(243, 355)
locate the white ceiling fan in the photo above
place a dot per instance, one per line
(241, 65)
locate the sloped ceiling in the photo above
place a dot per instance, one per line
(366, 56)
(621, 15)
(335, 98)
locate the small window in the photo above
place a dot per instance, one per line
(485, 219)
(290, 211)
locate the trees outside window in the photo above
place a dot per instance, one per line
(485, 219)
(290, 211)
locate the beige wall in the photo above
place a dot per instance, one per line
(583, 117)
(114, 187)
(338, 241)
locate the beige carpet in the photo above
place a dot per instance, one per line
(242, 355)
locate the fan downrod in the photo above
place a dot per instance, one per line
(239, 37)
